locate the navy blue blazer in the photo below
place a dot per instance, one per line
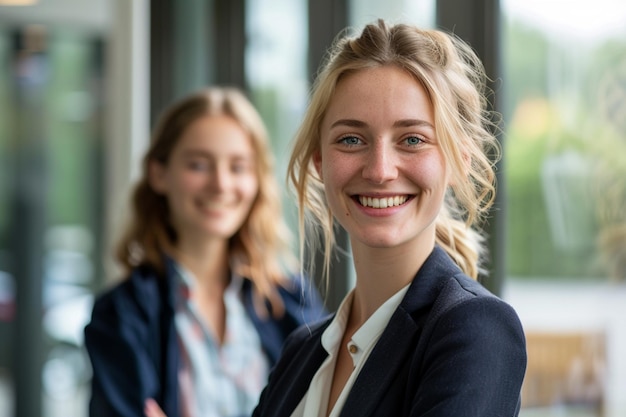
(132, 344)
(451, 349)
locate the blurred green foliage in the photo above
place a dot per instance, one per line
(558, 132)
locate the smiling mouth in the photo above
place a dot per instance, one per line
(212, 205)
(383, 202)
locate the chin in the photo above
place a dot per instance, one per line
(221, 231)
(383, 244)
(380, 242)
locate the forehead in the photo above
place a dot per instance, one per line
(216, 135)
(386, 91)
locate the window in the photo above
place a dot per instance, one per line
(276, 75)
(418, 12)
(564, 84)
(50, 216)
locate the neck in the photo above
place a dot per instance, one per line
(208, 262)
(382, 272)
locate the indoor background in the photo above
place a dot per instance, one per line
(82, 81)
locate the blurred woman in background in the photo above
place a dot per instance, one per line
(211, 291)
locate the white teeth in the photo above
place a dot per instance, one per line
(382, 202)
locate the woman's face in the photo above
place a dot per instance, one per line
(383, 170)
(210, 180)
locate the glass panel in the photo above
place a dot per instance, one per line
(418, 12)
(192, 69)
(564, 79)
(71, 251)
(51, 192)
(276, 72)
(7, 281)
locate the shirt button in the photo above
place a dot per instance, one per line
(353, 348)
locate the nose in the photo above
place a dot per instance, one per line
(219, 179)
(380, 165)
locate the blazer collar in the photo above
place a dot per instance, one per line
(429, 280)
(391, 350)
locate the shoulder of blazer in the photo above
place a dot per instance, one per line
(134, 310)
(142, 295)
(302, 306)
(462, 292)
(140, 305)
(307, 332)
(439, 285)
(458, 289)
(301, 301)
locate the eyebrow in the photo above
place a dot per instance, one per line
(191, 153)
(413, 122)
(399, 123)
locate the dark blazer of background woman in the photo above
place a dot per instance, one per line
(133, 345)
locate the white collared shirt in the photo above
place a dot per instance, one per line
(315, 401)
(218, 380)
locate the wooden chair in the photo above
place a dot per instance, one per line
(565, 369)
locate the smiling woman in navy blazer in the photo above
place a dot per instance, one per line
(396, 147)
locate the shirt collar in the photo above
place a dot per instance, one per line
(368, 334)
(186, 281)
(331, 338)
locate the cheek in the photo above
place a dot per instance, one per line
(430, 173)
(338, 174)
(187, 181)
(176, 189)
(249, 188)
(337, 170)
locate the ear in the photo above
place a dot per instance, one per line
(156, 177)
(317, 163)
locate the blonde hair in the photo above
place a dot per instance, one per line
(455, 81)
(260, 250)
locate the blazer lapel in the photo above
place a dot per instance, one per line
(398, 338)
(382, 366)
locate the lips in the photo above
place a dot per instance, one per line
(212, 205)
(382, 202)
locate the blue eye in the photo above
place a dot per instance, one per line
(350, 140)
(413, 140)
(239, 168)
(198, 165)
